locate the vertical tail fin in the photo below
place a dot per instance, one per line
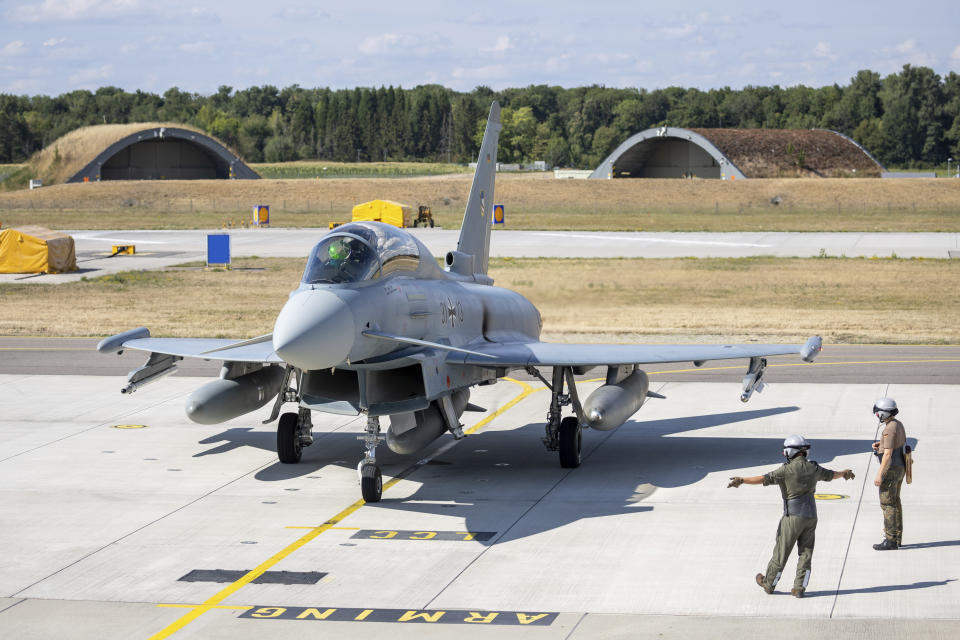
(473, 249)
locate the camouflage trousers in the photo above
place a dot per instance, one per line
(793, 530)
(890, 485)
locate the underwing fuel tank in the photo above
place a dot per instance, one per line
(612, 404)
(410, 432)
(221, 400)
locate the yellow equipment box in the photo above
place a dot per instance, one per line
(128, 249)
(399, 215)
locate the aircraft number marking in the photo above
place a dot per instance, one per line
(459, 536)
(437, 616)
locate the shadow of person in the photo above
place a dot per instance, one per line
(930, 545)
(879, 589)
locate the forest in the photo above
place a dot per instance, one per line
(906, 119)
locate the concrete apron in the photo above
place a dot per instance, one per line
(100, 524)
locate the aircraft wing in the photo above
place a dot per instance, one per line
(258, 349)
(535, 353)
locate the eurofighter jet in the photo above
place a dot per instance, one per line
(377, 328)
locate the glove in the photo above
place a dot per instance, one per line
(848, 475)
(735, 482)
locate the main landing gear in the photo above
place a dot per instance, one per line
(564, 435)
(294, 432)
(371, 480)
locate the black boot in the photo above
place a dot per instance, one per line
(886, 545)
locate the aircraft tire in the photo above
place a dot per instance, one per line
(289, 448)
(571, 439)
(371, 483)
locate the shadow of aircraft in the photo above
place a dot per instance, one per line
(512, 470)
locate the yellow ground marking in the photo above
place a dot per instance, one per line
(231, 607)
(214, 601)
(829, 496)
(331, 528)
(129, 426)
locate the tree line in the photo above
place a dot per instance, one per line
(910, 118)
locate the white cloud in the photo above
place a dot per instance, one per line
(302, 12)
(956, 54)
(91, 78)
(823, 50)
(386, 43)
(907, 46)
(701, 57)
(196, 47)
(503, 43)
(557, 64)
(491, 71)
(682, 31)
(907, 52)
(53, 10)
(52, 42)
(11, 49)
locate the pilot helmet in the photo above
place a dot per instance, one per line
(338, 249)
(794, 445)
(885, 408)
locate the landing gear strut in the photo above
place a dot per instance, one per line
(564, 435)
(371, 480)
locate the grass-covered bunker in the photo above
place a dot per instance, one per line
(731, 154)
(141, 151)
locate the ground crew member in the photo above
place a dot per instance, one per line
(891, 450)
(797, 478)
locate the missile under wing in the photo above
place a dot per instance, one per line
(377, 328)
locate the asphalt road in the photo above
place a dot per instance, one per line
(842, 364)
(159, 249)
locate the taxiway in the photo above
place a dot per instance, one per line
(123, 519)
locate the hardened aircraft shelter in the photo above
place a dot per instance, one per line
(736, 154)
(138, 151)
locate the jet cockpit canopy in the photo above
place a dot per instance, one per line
(361, 251)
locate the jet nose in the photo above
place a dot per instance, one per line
(315, 330)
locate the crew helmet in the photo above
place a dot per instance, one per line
(794, 445)
(885, 408)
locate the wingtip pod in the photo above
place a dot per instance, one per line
(811, 349)
(475, 231)
(115, 343)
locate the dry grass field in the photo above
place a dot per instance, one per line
(684, 300)
(532, 201)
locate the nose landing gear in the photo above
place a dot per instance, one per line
(371, 480)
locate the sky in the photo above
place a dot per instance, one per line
(49, 47)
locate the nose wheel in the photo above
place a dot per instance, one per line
(289, 447)
(371, 482)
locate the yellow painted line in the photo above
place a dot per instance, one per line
(214, 601)
(230, 607)
(331, 528)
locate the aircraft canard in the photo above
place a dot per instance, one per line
(377, 328)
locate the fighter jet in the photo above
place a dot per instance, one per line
(377, 328)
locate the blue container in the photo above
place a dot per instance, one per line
(218, 249)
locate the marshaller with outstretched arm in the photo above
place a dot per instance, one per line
(797, 479)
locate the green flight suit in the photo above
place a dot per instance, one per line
(798, 481)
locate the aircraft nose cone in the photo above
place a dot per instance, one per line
(315, 330)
